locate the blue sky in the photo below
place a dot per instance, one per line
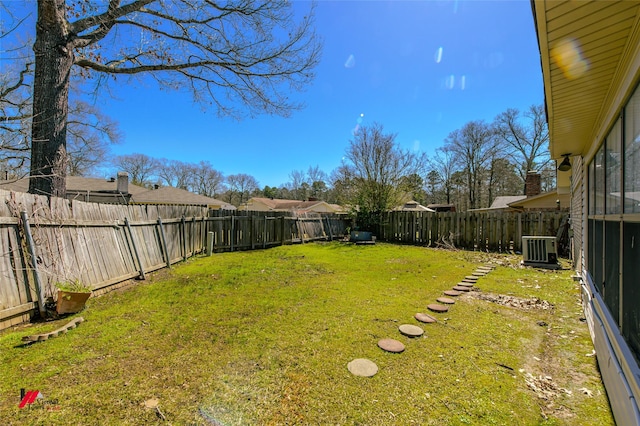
(420, 68)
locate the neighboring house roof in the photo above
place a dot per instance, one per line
(546, 200)
(503, 202)
(171, 195)
(413, 206)
(442, 207)
(74, 183)
(268, 204)
(78, 186)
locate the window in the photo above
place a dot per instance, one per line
(613, 251)
(613, 170)
(599, 182)
(632, 155)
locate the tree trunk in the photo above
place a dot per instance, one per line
(54, 58)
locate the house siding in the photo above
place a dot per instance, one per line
(577, 212)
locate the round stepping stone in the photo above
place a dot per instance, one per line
(411, 330)
(437, 308)
(425, 318)
(464, 284)
(362, 367)
(446, 300)
(484, 269)
(391, 345)
(462, 288)
(466, 281)
(471, 278)
(478, 274)
(453, 293)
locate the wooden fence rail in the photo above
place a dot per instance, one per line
(105, 245)
(489, 231)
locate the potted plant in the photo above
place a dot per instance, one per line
(72, 295)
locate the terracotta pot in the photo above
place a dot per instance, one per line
(70, 302)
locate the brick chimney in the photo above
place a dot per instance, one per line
(532, 184)
(123, 182)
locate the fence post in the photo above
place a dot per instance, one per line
(233, 232)
(209, 243)
(264, 233)
(193, 236)
(167, 258)
(282, 235)
(252, 233)
(184, 237)
(300, 227)
(135, 249)
(34, 262)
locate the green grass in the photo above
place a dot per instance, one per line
(264, 337)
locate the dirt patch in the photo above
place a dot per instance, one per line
(514, 302)
(548, 392)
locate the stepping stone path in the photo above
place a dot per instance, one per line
(391, 345)
(362, 367)
(425, 318)
(462, 288)
(411, 330)
(367, 368)
(438, 308)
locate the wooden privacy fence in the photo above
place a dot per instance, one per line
(45, 241)
(490, 231)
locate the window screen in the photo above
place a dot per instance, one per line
(632, 154)
(599, 181)
(611, 282)
(631, 286)
(613, 169)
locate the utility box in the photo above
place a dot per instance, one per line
(362, 237)
(539, 250)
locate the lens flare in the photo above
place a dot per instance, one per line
(568, 56)
(438, 55)
(450, 82)
(351, 62)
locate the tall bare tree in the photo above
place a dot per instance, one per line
(380, 169)
(206, 180)
(474, 146)
(16, 74)
(444, 165)
(525, 137)
(241, 186)
(89, 135)
(141, 167)
(15, 114)
(175, 173)
(242, 57)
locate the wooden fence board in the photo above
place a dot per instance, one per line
(90, 242)
(494, 231)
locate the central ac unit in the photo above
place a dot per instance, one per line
(539, 249)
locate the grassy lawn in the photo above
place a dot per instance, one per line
(264, 337)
